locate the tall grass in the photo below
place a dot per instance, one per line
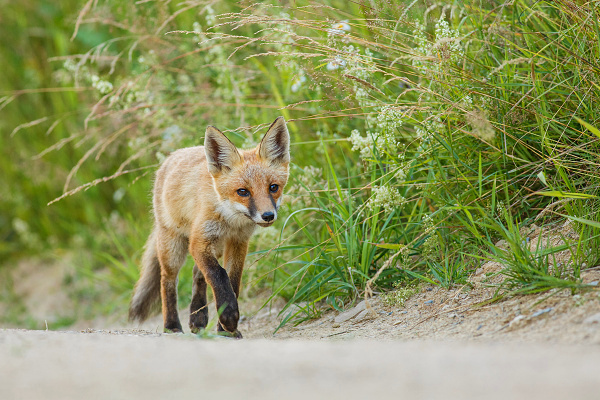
(441, 127)
(478, 117)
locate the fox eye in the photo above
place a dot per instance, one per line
(243, 192)
(273, 188)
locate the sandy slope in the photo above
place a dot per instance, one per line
(64, 365)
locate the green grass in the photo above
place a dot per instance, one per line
(439, 129)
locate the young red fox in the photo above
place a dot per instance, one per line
(208, 200)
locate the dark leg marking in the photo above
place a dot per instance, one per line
(170, 315)
(225, 298)
(198, 307)
(171, 252)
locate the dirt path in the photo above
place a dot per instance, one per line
(64, 365)
(434, 347)
(439, 344)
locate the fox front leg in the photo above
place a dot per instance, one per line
(235, 255)
(219, 281)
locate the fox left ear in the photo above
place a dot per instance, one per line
(275, 145)
(221, 154)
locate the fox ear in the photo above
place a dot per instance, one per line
(275, 145)
(221, 154)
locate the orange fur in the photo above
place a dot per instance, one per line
(198, 207)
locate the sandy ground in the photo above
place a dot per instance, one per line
(71, 365)
(440, 344)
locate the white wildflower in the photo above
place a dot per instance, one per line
(401, 174)
(310, 173)
(430, 248)
(385, 197)
(101, 85)
(447, 44)
(336, 63)
(426, 131)
(210, 15)
(468, 101)
(433, 55)
(196, 27)
(119, 194)
(351, 50)
(428, 223)
(500, 208)
(70, 65)
(361, 144)
(112, 100)
(339, 28)
(390, 118)
(366, 145)
(364, 100)
(423, 134)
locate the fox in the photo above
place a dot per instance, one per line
(207, 201)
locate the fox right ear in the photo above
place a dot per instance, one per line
(221, 154)
(275, 145)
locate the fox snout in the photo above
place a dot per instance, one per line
(266, 218)
(269, 216)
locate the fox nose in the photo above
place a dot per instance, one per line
(268, 216)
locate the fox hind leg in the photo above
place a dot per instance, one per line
(172, 251)
(198, 306)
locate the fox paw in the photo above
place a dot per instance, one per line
(230, 314)
(173, 328)
(236, 334)
(198, 321)
(229, 319)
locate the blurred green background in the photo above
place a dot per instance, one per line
(39, 110)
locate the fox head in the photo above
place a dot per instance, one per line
(249, 182)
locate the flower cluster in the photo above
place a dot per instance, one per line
(211, 17)
(366, 145)
(447, 47)
(428, 224)
(389, 118)
(429, 248)
(337, 63)
(101, 85)
(339, 28)
(501, 209)
(401, 173)
(338, 31)
(385, 197)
